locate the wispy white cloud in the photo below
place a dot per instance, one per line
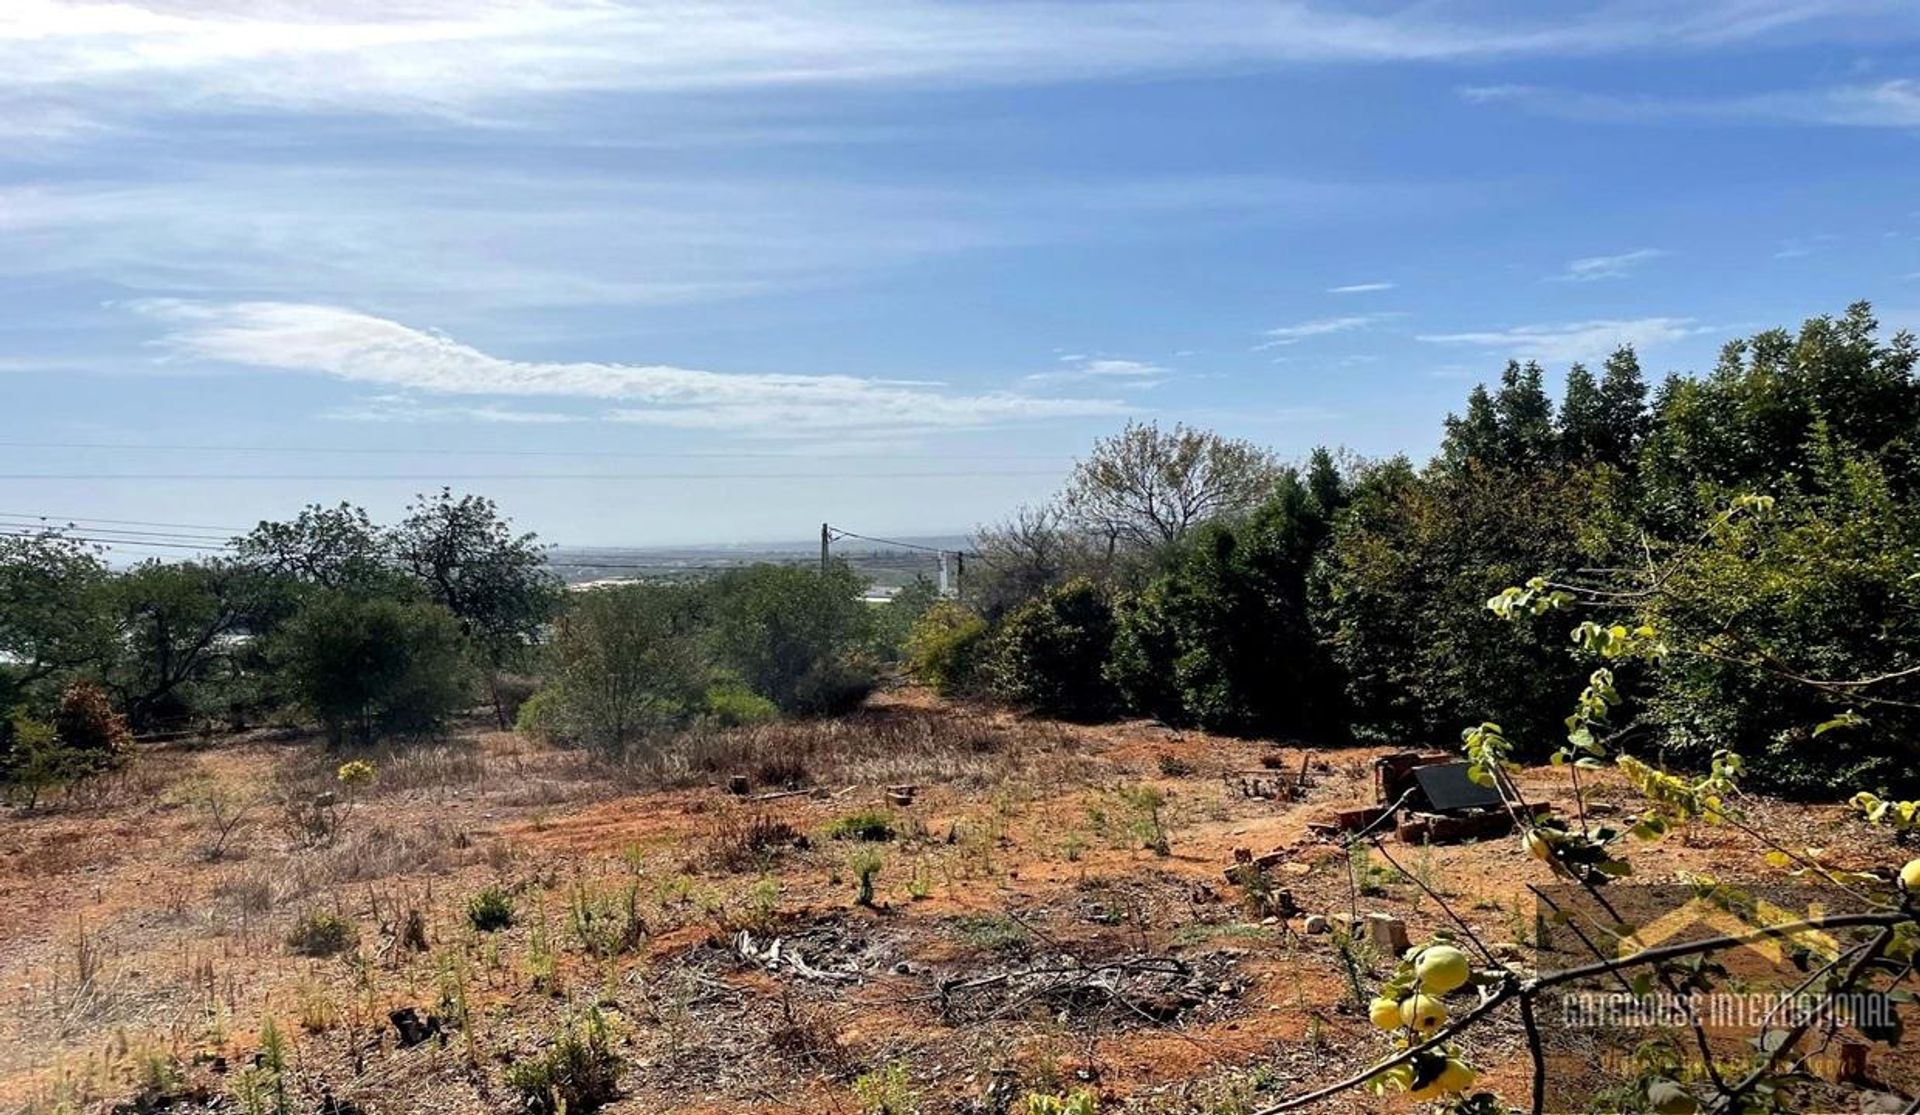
(1319, 327)
(1081, 368)
(466, 57)
(365, 349)
(1894, 103)
(408, 409)
(1360, 288)
(1607, 267)
(1571, 341)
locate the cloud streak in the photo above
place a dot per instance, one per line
(1320, 327)
(373, 351)
(1894, 103)
(1571, 341)
(467, 58)
(1360, 288)
(1594, 268)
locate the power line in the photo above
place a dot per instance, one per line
(839, 534)
(175, 535)
(121, 522)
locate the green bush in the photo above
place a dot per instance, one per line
(490, 910)
(1222, 638)
(578, 1073)
(626, 664)
(865, 824)
(946, 647)
(1050, 654)
(368, 668)
(790, 634)
(321, 933)
(731, 705)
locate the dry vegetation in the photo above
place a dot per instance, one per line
(489, 923)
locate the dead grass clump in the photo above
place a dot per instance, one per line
(378, 851)
(250, 890)
(886, 745)
(737, 841)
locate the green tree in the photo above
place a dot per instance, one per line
(1223, 638)
(495, 583)
(1050, 654)
(791, 633)
(626, 661)
(53, 613)
(333, 548)
(179, 628)
(946, 648)
(368, 667)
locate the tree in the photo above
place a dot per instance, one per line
(1524, 415)
(1583, 418)
(626, 662)
(1146, 487)
(791, 633)
(1475, 436)
(368, 667)
(946, 647)
(1223, 637)
(1034, 549)
(178, 626)
(53, 617)
(329, 547)
(1623, 410)
(1050, 654)
(495, 583)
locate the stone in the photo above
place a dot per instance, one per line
(1316, 925)
(1388, 934)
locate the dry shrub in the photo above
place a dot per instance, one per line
(738, 841)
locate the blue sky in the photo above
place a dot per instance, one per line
(657, 273)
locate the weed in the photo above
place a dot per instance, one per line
(1173, 766)
(865, 864)
(1081, 1102)
(606, 925)
(748, 843)
(991, 931)
(322, 933)
(317, 1012)
(1141, 822)
(490, 910)
(761, 912)
(886, 1092)
(864, 824)
(578, 1073)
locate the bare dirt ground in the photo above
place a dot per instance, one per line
(1023, 936)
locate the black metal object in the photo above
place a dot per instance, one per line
(1448, 789)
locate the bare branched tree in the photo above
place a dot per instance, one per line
(1146, 487)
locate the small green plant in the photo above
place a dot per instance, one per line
(355, 773)
(992, 931)
(1081, 1102)
(490, 910)
(606, 925)
(865, 824)
(920, 886)
(886, 1092)
(578, 1073)
(1143, 823)
(866, 864)
(761, 911)
(322, 933)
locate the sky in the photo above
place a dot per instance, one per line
(661, 273)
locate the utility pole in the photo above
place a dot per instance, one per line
(826, 540)
(943, 573)
(959, 572)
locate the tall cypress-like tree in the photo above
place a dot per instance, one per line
(1623, 402)
(1583, 418)
(1525, 415)
(1476, 436)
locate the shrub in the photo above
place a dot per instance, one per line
(866, 824)
(94, 736)
(1050, 654)
(834, 687)
(31, 758)
(321, 933)
(490, 910)
(627, 664)
(789, 633)
(366, 668)
(945, 648)
(578, 1073)
(732, 705)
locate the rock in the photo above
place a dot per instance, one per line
(1316, 924)
(1388, 934)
